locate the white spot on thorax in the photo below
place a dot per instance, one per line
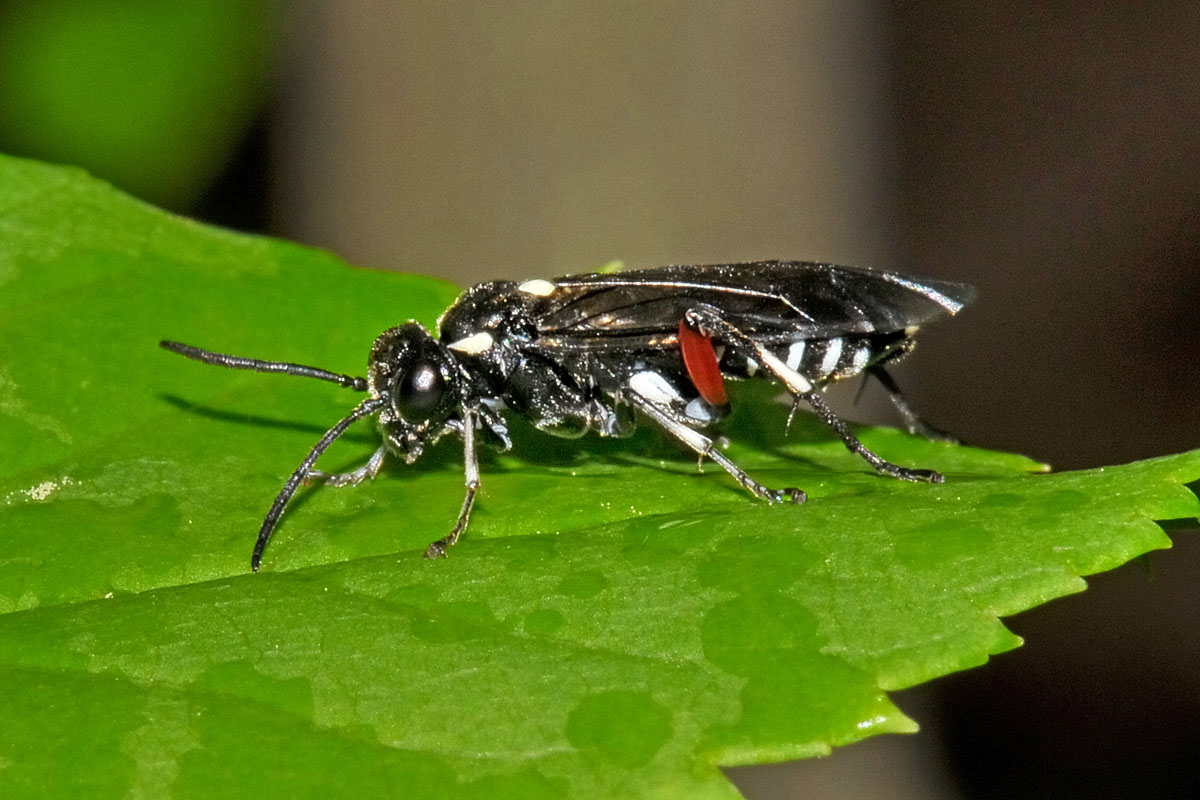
(537, 286)
(473, 345)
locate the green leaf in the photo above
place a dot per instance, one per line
(614, 624)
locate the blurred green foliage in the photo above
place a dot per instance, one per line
(152, 96)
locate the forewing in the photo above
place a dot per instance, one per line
(775, 301)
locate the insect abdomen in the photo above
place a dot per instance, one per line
(822, 361)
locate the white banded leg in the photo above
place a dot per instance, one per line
(706, 448)
(707, 321)
(353, 478)
(471, 479)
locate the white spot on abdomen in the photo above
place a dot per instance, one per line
(795, 354)
(833, 352)
(861, 354)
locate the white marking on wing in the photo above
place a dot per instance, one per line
(953, 306)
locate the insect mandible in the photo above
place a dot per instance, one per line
(586, 353)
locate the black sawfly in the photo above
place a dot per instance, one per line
(585, 352)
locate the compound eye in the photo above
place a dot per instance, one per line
(419, 391)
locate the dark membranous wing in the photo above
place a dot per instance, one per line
(775, 301)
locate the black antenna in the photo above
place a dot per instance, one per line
(238, 362)
(363, 409)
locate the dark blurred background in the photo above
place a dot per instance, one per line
(1049, 154)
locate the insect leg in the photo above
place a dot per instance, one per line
(852, 443)
(706, 448)
(363, 409)
(471, 469)
(353, 478)
(912, 423)
(709, 322)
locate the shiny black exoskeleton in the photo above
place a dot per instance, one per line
(588, 352)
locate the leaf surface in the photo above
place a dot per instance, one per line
(614, 624)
